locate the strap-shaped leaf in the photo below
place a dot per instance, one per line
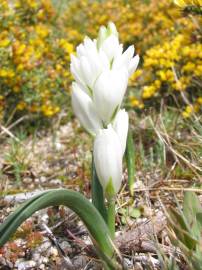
(178, 224)
(130, 160)
(10, 219)
(191, 206)
(81, 206)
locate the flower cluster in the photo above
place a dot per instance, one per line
(169, 43)
(101, 70)
(34, 59)
(170, 68)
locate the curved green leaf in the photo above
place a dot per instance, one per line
(81, 206)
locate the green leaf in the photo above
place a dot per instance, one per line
(134, 212)
(130, 160)
(129, 213)
(97, 193)
(81, 206)
(191, 206)
(178, 224)
(199, 218)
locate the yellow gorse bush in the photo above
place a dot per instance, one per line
(34, 58)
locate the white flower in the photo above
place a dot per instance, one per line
(96, 56)
(108, 93)
(120, 125)
(108, 42)
(105, 32)
(88, 64)
(85, 110)
(107, 154)
(101, 70)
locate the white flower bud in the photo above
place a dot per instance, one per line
(108, 160)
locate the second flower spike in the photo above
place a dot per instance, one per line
(107, 154)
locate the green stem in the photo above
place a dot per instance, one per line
(111, 216)
(97, 193)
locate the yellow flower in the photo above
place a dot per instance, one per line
(184, 3)
(42, 30)
(32, 3)
(134, 102)
(199, 100)
(6, 73)
(4, 42)
(148, 91)
(19, 48)
(21, 106)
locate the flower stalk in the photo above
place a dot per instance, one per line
(98, 199)
(111, 214)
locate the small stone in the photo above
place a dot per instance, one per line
(58, 146)
(65, 246)
(43, 179)
(79, 262)
(27, 180)
(43, 247)
(55, 182)
(53, 252)
(23, 265)
(42, 266)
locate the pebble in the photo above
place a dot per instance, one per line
(58, 146)
(27, 180)
(65, 246)
(52, 252)
(42, 266)
(23, 265)
(55, 182)
(79, 262)
(43, 179)
(43, 247)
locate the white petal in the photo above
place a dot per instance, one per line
(76, 70)
(111, 47)
(133, 65)
(112, 29)
(80, 50)
(84, 110)
(120, 125)
(86, 71)
(109, 91)
(108, 158)
(101, 36)
(124, 59)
